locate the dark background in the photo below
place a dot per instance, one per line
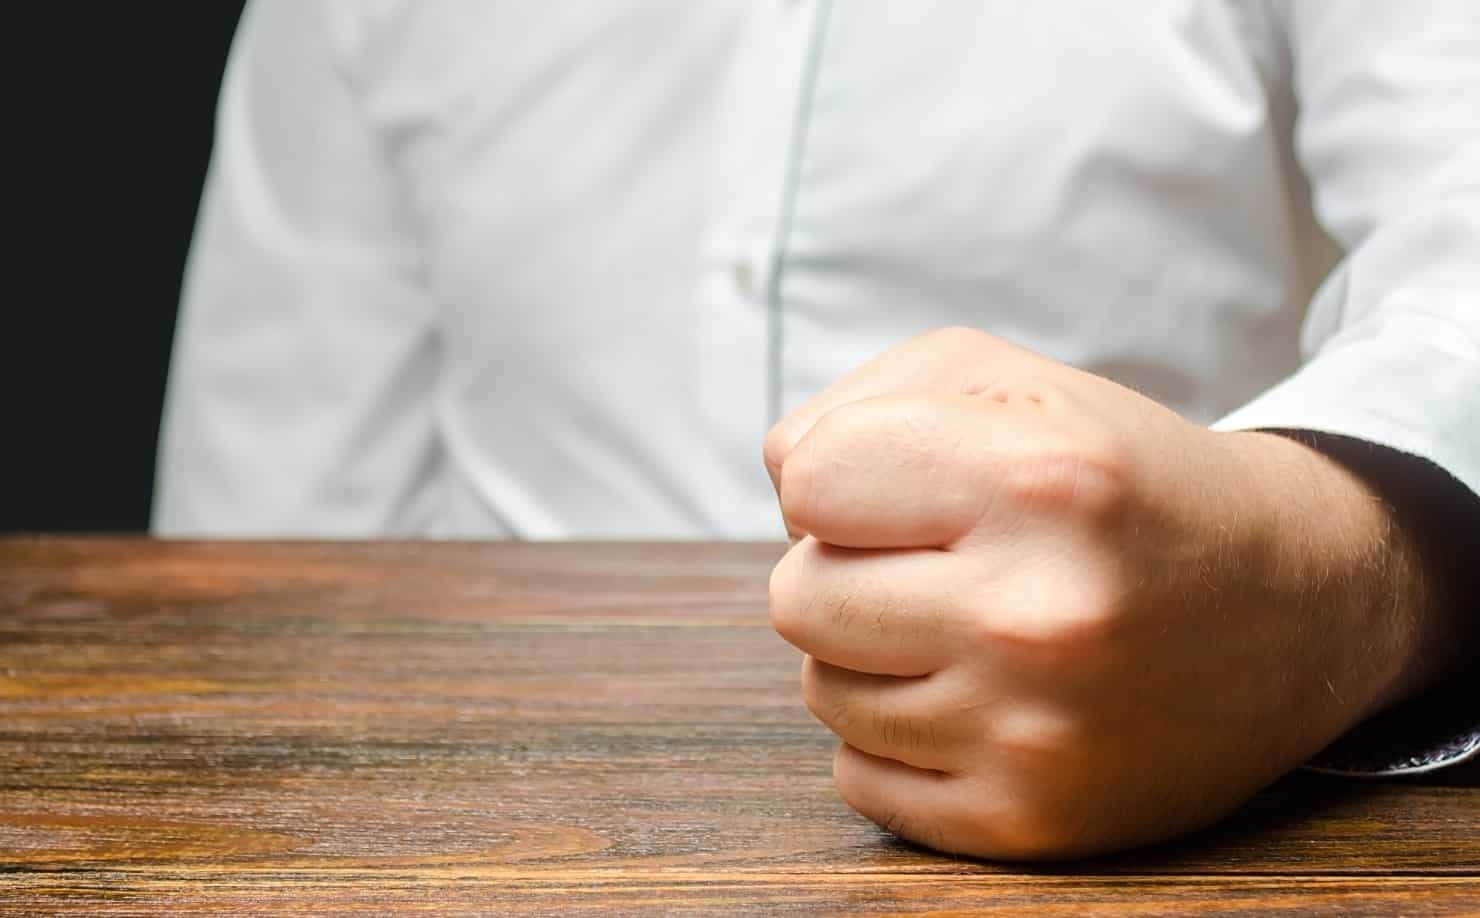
(111, 131)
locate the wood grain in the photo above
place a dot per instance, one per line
(238, 728)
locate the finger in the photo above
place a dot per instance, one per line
(884, 715)
(950, 361)
(931, 808)
(906, 471)
(885, 612)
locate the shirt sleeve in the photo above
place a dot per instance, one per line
(299, 399)
(1388, 133)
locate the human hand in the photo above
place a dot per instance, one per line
(1048, 617)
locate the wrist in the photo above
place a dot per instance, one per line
(1331, 554)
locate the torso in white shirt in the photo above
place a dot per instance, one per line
(648, 226)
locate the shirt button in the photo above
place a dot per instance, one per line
(743, 275)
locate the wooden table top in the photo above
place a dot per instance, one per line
(536, 729)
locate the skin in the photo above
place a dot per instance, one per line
(1050, 618)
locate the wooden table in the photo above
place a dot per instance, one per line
(535, 729)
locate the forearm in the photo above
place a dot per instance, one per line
(1382, 538)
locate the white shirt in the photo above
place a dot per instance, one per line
(550, 269)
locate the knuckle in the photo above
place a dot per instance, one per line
(1069, 480)
(1085, 613)
(1102, 477)
(1034, 831)
(1026, 818)
(987, 633)
(1073, 609)
(1071, 464)
(1034, 734)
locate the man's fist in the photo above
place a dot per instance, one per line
(1048, 617)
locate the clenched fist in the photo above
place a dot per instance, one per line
(1048, 617)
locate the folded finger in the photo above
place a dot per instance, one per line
(892, 613)
(946, 361)
(931, 808)
(902, 471)
(888, 716)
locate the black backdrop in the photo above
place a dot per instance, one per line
(108, 136)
